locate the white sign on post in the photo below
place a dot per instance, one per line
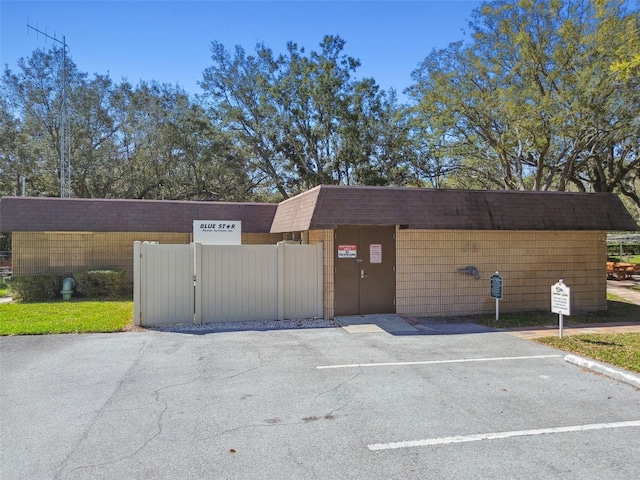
(560, 302)
(561, 298)
(217, 232)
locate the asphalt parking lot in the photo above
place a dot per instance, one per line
(308, 403)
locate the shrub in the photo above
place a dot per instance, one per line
(34, 288)
(102, 283)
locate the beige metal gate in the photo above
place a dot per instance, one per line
(211, 283)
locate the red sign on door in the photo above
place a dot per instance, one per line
(347, 251)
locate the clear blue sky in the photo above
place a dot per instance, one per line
(169, 41)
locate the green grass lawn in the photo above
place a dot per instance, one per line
(76, 316)
(625, 258)
(621, 349)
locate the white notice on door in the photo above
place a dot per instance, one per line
(375, 253)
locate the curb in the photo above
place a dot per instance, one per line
(626, 377)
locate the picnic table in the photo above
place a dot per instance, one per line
(621, 270)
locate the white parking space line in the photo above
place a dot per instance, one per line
(435, 362)
(499, 435)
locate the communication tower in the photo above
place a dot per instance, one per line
(65, 124)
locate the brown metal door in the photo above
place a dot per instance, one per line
(365, 280)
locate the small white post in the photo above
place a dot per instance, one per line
(281, 250)
(137, 279)
(560, 321)
(197, 282)
(497, 309)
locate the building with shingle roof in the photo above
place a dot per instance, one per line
(328, 206)
(415, 252)
(33, 214)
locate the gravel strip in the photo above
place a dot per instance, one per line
(261, 325)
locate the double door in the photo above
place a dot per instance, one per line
(365, 281)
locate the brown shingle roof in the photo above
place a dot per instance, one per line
(100, 215)
(326, 207)
(451, 209)
(297, 212)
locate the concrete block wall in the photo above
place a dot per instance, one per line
(428, 284)
(261, 238)
(326, 238)
(62, 253)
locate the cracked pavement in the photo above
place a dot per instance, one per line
(254, 405)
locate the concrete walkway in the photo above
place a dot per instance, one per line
(381, 323)
(625, 289)
(395, 325)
